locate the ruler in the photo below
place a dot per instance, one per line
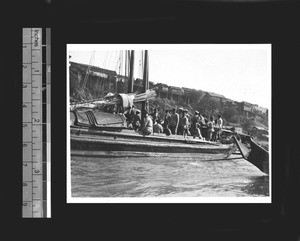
(36, 122)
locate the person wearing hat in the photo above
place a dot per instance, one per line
(195, 126)
(136, 120)
(174, 122)
(147, 128)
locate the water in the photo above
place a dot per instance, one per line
(165, 177)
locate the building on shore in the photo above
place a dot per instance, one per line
(98, 82)
(215, 97)
(246, 109)
(161, 90)
(186, 95)
(228, 103)
(260, 110)
(174, 93)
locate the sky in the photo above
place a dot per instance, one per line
(239, 72)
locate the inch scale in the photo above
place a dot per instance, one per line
(36, 123)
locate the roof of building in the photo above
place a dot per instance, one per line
(174, 87)
(227, 100)
(94, 68)
(187, 89)
(161, 84)
(122, 76)
(215, 95)
(245, 102)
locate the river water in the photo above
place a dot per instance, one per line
(165, 177)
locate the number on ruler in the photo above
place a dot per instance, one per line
(24, 125)
(36, 120)
(24, 86)
(24, 66)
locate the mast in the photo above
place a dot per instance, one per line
(131, 70)
(145, 85)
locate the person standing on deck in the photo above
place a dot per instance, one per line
(201, 120)
(216, 129)
(220, 125)
(147, 128)
(185, 124)
(180, 125)
(174, 122)
(195, 126)
(166, 123)
(210, 129)
(167, 118)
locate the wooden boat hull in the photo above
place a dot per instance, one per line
(103, 143)
(255, 154)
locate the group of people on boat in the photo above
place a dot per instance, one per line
(175, 122)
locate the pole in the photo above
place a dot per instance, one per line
(131, 70)
(145, 85)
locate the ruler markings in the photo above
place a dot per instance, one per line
(35, 203)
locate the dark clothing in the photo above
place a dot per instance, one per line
(210, 131)
(180, 126)
(129, 114)
(136, 121)
(155, 117)
(167, 131)
(167, 119)
(173, 129)
(195, 126)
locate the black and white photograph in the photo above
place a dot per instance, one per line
(162, 123)
(173, 118)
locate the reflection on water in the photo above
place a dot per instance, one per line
(165, 177)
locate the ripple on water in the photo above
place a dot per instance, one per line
(154, 177)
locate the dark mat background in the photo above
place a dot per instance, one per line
(275, 22)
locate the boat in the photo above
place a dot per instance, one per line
(253, 153)
(97, 133)
(129, 143)
(94, 132)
